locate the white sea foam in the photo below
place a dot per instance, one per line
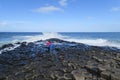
(95, 42)
(98, 42)
(44, 36)
(9, 48)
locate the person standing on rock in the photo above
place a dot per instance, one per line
(53, 52)
(51, 48)
(48, 45)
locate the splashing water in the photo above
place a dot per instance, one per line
(44, 36)
(96, 41)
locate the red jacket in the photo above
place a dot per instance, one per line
(48, 43)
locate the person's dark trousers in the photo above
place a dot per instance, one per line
(48, 49)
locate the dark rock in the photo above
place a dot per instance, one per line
(59, 74)
(78, 75)
(18, 43)
(68, 76)
(23, 44)
(97, 59)
(56, 40)
(76, 61)
(6, 46)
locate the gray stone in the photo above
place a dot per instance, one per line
(78, 75)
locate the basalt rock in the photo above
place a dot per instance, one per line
(78, 75)
(6, 46)
(73, 61)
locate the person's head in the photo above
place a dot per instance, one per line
(49, 42)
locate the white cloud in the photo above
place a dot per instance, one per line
(63, 2)
(115, 9)
(3, 24)
(12, 23)
(47, 9)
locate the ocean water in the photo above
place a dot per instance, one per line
(111, 39)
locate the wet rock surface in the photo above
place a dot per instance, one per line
(74, 61)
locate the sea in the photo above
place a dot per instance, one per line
(111, 39)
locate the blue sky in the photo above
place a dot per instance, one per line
(59, 15)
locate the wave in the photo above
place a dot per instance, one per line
(96, 42)
(48, 35)
(43, 36)
(9, 48)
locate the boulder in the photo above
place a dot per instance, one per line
(6, 46)
(78, 75)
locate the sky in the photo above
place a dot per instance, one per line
(59, 15)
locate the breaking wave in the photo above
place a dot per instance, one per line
(89, 41)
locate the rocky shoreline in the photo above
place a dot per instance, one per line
(76, 61)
